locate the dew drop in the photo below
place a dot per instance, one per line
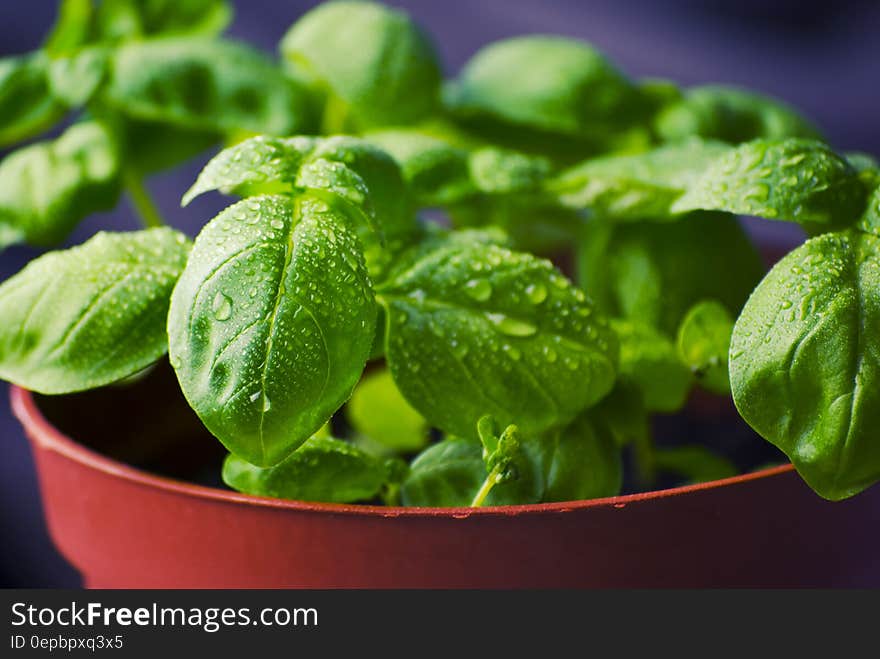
(536, 293)
(478, 289)
(511, 326)
(222, 307)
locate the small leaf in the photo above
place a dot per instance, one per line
(271, 324)
(74, 79)
(636, 187)
(732, 115)
(651, 361)
(623, 413)
(73, 28)
(204, 84)
(448, 473)
(653, 273)
(380, 414)
(550, 84)
(805, 361)
(322, 469)
(475, 329)
(343, 170)
(581, 461)
(704, 343)
(697, 464)
(797, 180)
(48, 187)
(27, 106)
(377, 66)
(90, 315)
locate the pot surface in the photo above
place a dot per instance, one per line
(126, 528)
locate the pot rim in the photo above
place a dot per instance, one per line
(43, 434)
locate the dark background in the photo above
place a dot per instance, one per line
(823, 58)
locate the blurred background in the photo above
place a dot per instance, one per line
(823, 58)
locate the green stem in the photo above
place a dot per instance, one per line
(142, 201)
(488, 484)
(643, 453)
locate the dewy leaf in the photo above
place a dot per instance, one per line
(704, 344)
(352, 171)
(322, 469)
(546, 83)
(799, 180)
(48, 187)
(90, 315)
(378, 67)
(650, 360)
(271, 323)
(476, 329)
(380, 414)
(639, 186)
(206, 84)
(653, 273)
(730, 114)
(805, 361)
(581, 461)
(27, 106)
(501, 171)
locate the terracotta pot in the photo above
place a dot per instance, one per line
(123, 527)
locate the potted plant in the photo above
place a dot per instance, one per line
(406, 402)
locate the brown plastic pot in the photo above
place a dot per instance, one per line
(124, 528)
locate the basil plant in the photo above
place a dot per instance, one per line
(345, 346)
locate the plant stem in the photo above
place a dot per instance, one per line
(488, 484)
(142, 201)
(643, 453)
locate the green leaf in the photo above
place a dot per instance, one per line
(322, 469)
(379, 413)
(581, 461)
(514, 466)
(704, 343)
(546, 83)
(48, 187)
(870, 220)
(437, 172)
(448, 473)
(805, 361)
(345, 171)
(650, 360)
(476, 329)
(798, 180)
(152, 146)
(623, 413)
(695, 463)
(124, 20)
(732, 115)
(377, 67)
(206, 85)
(73, 28)
(653, 273)
(76, 78)
(271, 323)
(27, 106)
(90, 315)
(636, 187)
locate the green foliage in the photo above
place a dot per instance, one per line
(271, 323)
(729, 114)
(797, 179)
(373, 64)
(91, 315)
(322, 469)
(704, 343)
(475, 329)
(804, 361)
(540, 145)
(381, 417)
(48, 187)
